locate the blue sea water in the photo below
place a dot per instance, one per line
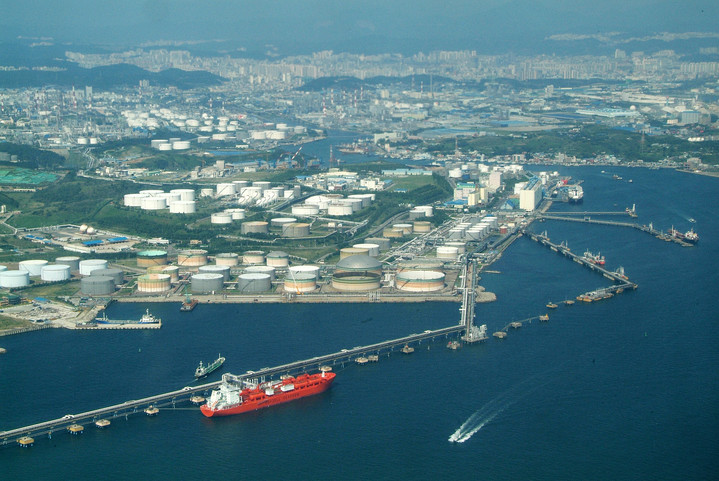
(622, 389)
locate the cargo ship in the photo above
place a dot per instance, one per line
(597, 259)
(232, 399)
(575, 194)
(147, 320)
(203, 370)
(689, 236)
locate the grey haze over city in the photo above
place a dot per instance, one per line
(368, 26)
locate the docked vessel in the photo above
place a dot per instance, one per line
(146, 321)
(188, 305)
(597, 259)
(575, 194)
(688, 236)
(232, 399)
(203, 370)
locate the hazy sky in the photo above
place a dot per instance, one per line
(349, 24)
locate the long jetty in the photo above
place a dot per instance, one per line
(172, 398)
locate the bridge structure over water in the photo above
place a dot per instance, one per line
(182, 396)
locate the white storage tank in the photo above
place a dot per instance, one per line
(421, 226)
(253, 258)
(447, 252)
(133, 200)
(269, 270)
(152, 192)
(280, 222)
(314, 270)
(420, 281)
(222, 218)
(372, 249)
(55, 273)
(89, 265)
(236, 214)
(117, 275)
(225, 189)
(183, 207)
(32, 266)
(185, 194)
(305, 210)
(339, 210)
(461, 246)
(153, 203)
(352, 251)
(253, 283)
(207, 193)
(181, 145)
(172, 271)
(224, 270)
(72, 261)
(12, 279)
(170, 197)
(227, 259)
(406, 228)
(278, 259)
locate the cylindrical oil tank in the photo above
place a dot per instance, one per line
(133, 200)
(10, 279)
(237, 214)
(32, 266)
(352, 251)
(421, 264)
(89, 265)
(314, 270)
(279, 222)
(72, 261)
(207, 193)
(170, 197)
(192, 258)
(152, 192)
(262, 184)
(427, 209)
(356, 282)
(461, 246)
(3, 268)
(406, 228)
(359, 264)
(366, 199)
(224, 270)
(117, 275)
(269, 270)
(339, 210)
(97, 286)
(153, 203)
(183, 207)
(55, 273)
(172, 271)
(420, 281)
(356, 204)
(151, 258)
(153, 283)
(296, 229)
(227, 259)
(372, 249)
(392, 233)
(305, 210)
(300, 282)
(253, 283)
(278, 259)
(383, 243)
(185, 194)
(253, 258)
(447, 252)
(421, 226)
(181, 145)
(254, 227)
(226, 189)
(222, 218)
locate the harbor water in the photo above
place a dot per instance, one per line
(626, 388)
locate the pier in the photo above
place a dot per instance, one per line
(171, 399)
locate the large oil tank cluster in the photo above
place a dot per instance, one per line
(334, 205)
(178, 201)
(260, 193)
(475, 230)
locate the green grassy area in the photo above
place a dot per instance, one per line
(51, 291)
(11, 323)
(411, 182)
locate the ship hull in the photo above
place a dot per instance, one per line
(262, 401)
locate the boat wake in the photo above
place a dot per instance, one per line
(475, 422)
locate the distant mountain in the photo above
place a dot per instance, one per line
(112, 76)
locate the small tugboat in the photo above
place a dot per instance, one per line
(551, 305)
(203, 370)
(151, 411)
(407, 349)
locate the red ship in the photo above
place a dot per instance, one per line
(235, 399)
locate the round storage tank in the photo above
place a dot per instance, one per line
(181, 145)
(352, 251)
(447, 252)
(55, 273)
(392, 233)
(372, 249)
(364, 199)
(253, 283)
(300, 282)
(72, 261)
(305, 210)
(192, 258)
(278, 259)
(226, 189)
(419, 264)
(383, 243)
(118, 277)
(420, 281)
(207, 193)
(421, 226)
(33, 266)
(237, 214)
(359, 264)
(253, 258)
(254, 227)
(406, 228)
(172, 271)
(185, 194)
(296, 229)
(97, 286)
(227, 259)
(170, 197)
(222, 218)
(152, 192)
(339, 210)
(151, 258)
(280, 222)
(89, 265)
(427, 209)
(461, 246)
(270, 271)
(11, 279)
(355, 282)
(153, 283)
(153, 203)
(224, 270)
(133, 200)
(183, 207)
(314, 270)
